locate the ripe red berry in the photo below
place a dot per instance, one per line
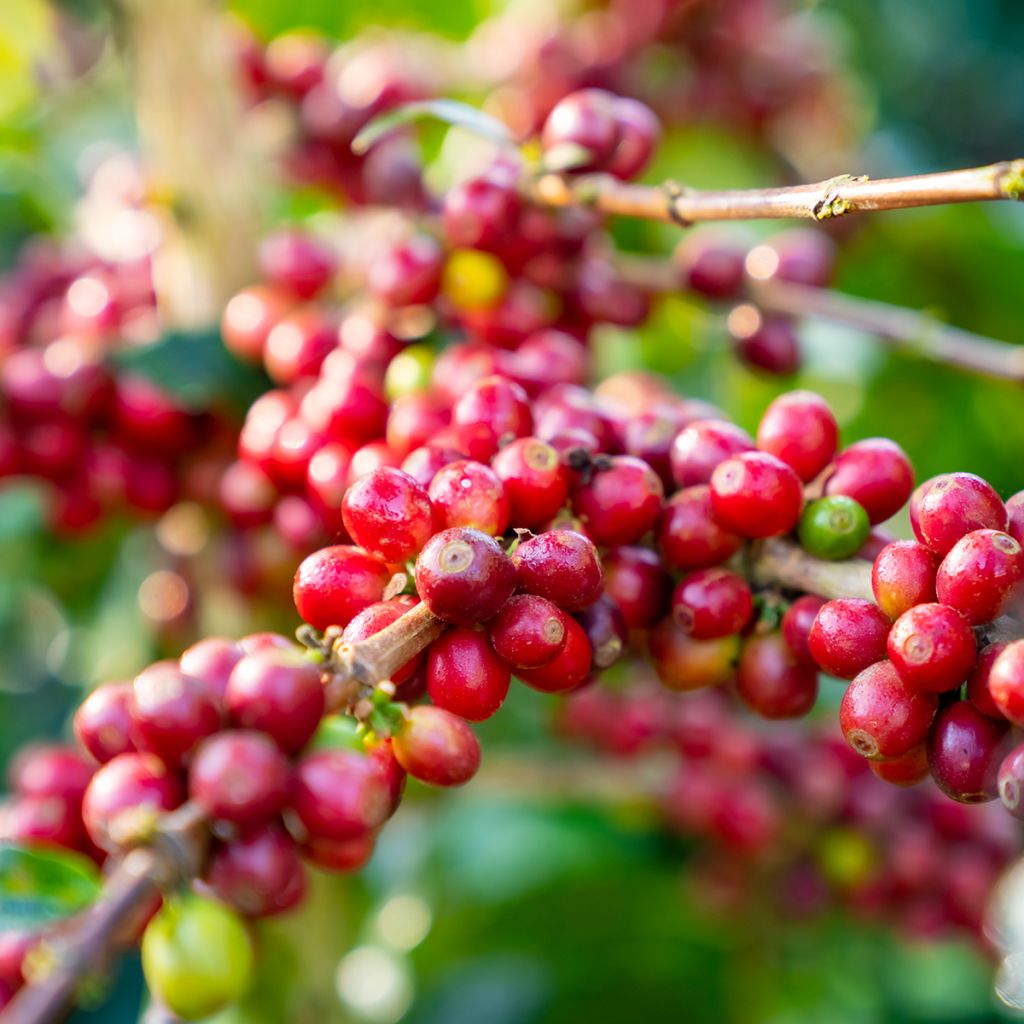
(848, 635)
(277, 692)
(41, 821)
(954, 505)
(375, 617)
(902, 576)
(436, 746)
(932, 647)
(683, 663)
(756, 495)
(340, 855)
(463, 576)
(636, 581)
(875, 472)
(1010, 781)
(338, 795)
(797, 623)
(562, 566)
(125, 796)
(711, 603)
(772, 681)
(388, 514)
(620, 502)
(211, 660)
(481, 213)
(606, 631)
(407, 274)
(772, 346)
(638, 135)
(468, 493)
(425, 462)
(977, 683)
(906, 770)
(297, 346)
(50, 770)
(964, 752)
(296, 263)
(800, 429)
(701, 446)
(584, 125)
(528, 632)
(979, 574)
(260, 874)
(465, 676)
(1015, 516)
(333, 584)
(1006, 682)
(491, 413)
(171, 712)
(690, 536)
(103, 723)
(247, 320)
(711, 264)
(881, 716)
(568, 670)
(239, 777)
(534, 480)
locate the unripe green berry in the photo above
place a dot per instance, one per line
(834, 527)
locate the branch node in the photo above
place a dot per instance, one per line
(674, 193)
(832, 203)
(1011, 181)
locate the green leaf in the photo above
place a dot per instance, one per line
(196, 368)
(37, 886)
(461, 115)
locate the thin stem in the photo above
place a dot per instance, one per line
(822, 200)
(782, 563)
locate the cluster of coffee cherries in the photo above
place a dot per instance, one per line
(796, 819)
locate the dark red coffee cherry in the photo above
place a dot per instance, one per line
(954, 505)
(528, 632)
(239, 777)
(211, 660)
(771, 347)
(534, 479)
(875, 472)
(881, 716)
(125, 798)
(1006, 682)
(979, 574)
(562, 566)
(407, 274)
(338, 795)
(690, 536)
(639, 131)
(568, 670)
(906, 770)
(296, 263)
(103, 723)
(977, 682)
(701, 446)
(436, 746)
(340, 855)
(771, 681)
(711, 603)
(465, 676)
(797, 624)
(620, 502)
(848, 635)
(491, 413)
(1010, 781)
(41, 821)
(51, 770)
(756, 495)
(800, 429)
(333, 584)
(932, 647)
(277, 692)
(606, 631)
(481, 213)
(375, 617)
(583, 126)
(711, 264)
(1015, 516)
(902, 576)
(683, 663)
(388, 514)
(964, 752)
(463, 576)
(636, 581)
(171, 712)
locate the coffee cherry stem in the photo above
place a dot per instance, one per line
(782, 563)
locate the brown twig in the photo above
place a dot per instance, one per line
(782, 563)
(822, 200)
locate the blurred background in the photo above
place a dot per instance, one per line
(550, 890)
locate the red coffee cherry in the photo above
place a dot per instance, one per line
(239, 777)
(1010, 781)
(771, 681)
(585, 119)
(977, 683)
(636, 580)
(211, 660)
(467, 493)
(881, 716)
(333, 584)
(171, 712)
(436, 746)
(463, 576)
(465, 676)
(296, 263)
(683, 663)
(260, 875)
(965, 748)
(902, 576)
(277, 692)
(481, 212)
(848, 635)
(407, 274)
(49, 770)
(248, 318)
(756, 495)
(954, 505)
(568, 670)
(338, 795)
(797, 624)
(772, 346)
(534, 480)
(932, 647)
(341, 855)
(1015, 516)
(639, 131)
(103, 723)
(41, 821)
(606, 631)
(1006, 682)
(125, 797)
(800, 429)
(562, 566)
(690, 536)
(906, 770)
(528, 632)
(491, 413)
(424, 463)
(979, 574)
(375, 617)
(620, 502)
(388, 514)
(711, 264)
(701, 446)
(297, 346)
(875, 472)
(711, 603)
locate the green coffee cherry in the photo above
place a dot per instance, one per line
(409, 372)
(834, 527)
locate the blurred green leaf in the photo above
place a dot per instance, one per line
(37, 886)
(460, 115)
